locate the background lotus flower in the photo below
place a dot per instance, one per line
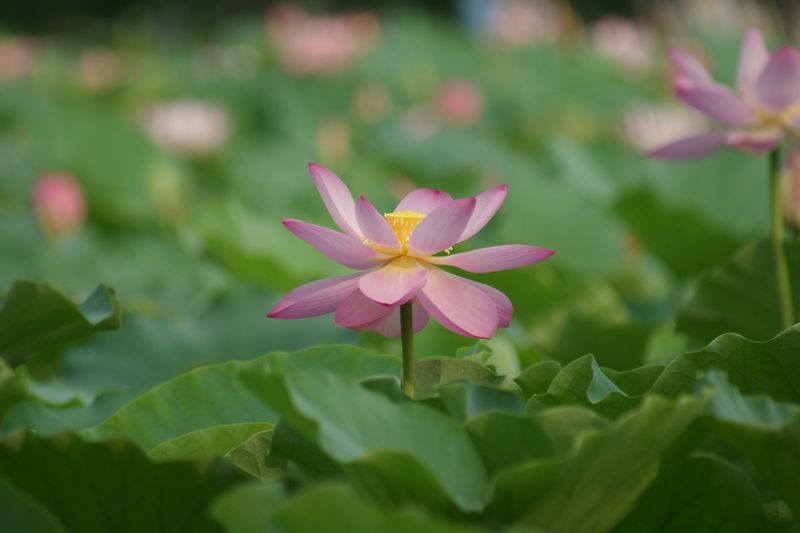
(766, 106)
(397, 253)
(191, 127)
(460, 102)
(308, 45)
(59, 204)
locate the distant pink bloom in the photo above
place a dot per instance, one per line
(460, 102)
(396, 253)
(16, 58)
(98, 69)
(627, 43)
(59, 204)
(757, 117)
(191, 127)
(520, 22)
(648, 126)
(310, 45)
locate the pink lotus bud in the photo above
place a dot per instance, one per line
(59, 204)
(460, 102)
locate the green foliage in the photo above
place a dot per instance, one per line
(35, 317)
(588, 414)
(740, 296)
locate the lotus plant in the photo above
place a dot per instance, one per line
(400, 284)
(755, 118)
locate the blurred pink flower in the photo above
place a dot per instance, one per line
(98, 69)
(790, 190)
(309, 45)
(646, 126)
(627, 43)
(191, 127)
(757, 117)
(58, 204)
(520, 22)
(460, 102)
(16, 58)
(397, 252)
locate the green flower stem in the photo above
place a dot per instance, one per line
(781, 267)
(407, 337)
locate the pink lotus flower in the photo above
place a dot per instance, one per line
(460, 102)
(396, 253)
(756, 117)
(59, 204)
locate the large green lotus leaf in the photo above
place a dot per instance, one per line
(681, 237)
(248, 508)
(764, 431)
(537, 378)
(597, 484)
(332, 507)
(110, 486)
(35, 316)
(465, 400)
(436, 371)
(48, 419)
(771, 367)
(250, 456)
(697, 495)
(23, 514)
(506, 439)
(740, 295)
(209, 397)
(409, 450)
(584, 382)
(149, 350)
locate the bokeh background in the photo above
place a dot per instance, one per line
(155, 146)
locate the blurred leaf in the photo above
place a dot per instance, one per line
(412, 451)
(336, 508)
(612, 469)
(766, 432)
(250, 456)
(700, 494)
(740, 296)
(506, 439)
(583, 382)
(435, 371)
(109, 486)
(35, 316)
(537, 378)
(214, 441)
(770, 367)
(680, 237)
(209, 397)
(247, 508)
(465, 400)
(23, 514)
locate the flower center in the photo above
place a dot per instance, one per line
(403, 223)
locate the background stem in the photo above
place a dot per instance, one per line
(407, 337)
(781, 267)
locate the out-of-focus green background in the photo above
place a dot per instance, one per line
(188, 130)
